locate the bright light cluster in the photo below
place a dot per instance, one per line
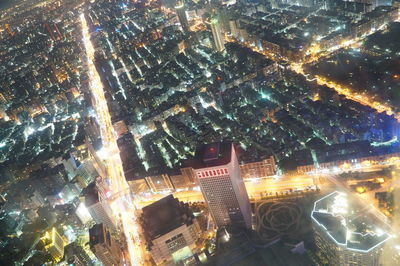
(336, 206)
(124, 210)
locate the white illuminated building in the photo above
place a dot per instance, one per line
(218, 174)
(347, 234)
(83, 214)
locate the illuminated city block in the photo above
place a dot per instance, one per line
(218, 174)
(345, 233)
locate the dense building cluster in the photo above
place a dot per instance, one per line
(104, 105)
(41, 106)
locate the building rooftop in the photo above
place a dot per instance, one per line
(348, 225)
(163, 216)
(213, 154)
(96, 234)
(91, 194)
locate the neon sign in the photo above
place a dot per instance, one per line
(212, 173)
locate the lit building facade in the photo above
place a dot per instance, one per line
(171, 230)
(258, 169)
(345, 234)
(218, 173)
(86, 173)
(54, 244)
(99, 210)
(104, 246)
(218, 37)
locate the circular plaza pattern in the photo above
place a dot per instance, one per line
(275, 219)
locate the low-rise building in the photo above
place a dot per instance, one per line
(258, 169)
(171, 230)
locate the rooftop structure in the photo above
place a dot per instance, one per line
(335, 216)
(346, 232)
(171, 230)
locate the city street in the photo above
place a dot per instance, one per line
(112, 159)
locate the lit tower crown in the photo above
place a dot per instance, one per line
(180, 11)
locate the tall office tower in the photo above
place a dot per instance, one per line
(70, 165)
(99, 210)
(104, 246)
(345, 233)
(159, 182)
(218, 173)
(86, 173)
(216, 30)
(171, 230)
(233, 28)
(53, 243)
(92, 129)
(223, 18)
(75, 255)
(180, 10)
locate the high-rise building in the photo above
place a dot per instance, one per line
(75, 255)
(104, 246)
(99, 210)
(83, 214)
(233, 28)
(53, 244)
(171, 230)
(86, 173)
(217, 171)
(180, 10)
(216, 29)
(188, 175)
(345, 233)
(70, 165)
(181, 179)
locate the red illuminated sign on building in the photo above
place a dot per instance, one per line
(212, 173)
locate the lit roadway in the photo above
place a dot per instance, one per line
(257, 186)
(341, 89)
(347, 92)
(122, 201)
(254, 188)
